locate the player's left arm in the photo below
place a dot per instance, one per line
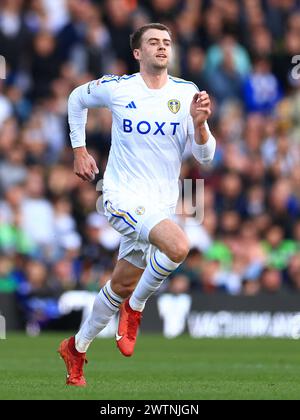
(203, 142)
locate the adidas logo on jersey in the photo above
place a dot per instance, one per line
(131, 105)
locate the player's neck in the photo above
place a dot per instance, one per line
(154, 80)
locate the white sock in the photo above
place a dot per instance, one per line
(105, 306)
(157, 270)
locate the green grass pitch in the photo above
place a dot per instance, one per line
(181, 368)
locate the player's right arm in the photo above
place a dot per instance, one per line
(90, 95)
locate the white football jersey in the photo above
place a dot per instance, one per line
(149, 133)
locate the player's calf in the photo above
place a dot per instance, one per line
(125, 278)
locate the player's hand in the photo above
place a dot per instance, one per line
(200, 108)
(84, 164)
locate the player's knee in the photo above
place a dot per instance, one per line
(178, 251)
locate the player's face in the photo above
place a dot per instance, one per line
(155, 50)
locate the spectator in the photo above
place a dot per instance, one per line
(44, 64)
(278, 249)
(38, 215)
(14, 165)
(239, 56)
(14, 35)
(37, 297)
(261, 91)
(193, 66)
(8, 283)
(230, 195)
(225, 81)
(6, 109)
(271, 281)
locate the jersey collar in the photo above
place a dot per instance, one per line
(153, 91)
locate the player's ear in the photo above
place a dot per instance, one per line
(136, 54)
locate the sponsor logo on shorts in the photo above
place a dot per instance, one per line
(140, 210)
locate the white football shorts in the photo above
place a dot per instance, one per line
(134, 223)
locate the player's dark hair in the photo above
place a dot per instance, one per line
(136, 37)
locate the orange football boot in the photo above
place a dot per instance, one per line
(129, 321)
(74, 362)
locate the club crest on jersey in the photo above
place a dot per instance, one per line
(174, 105)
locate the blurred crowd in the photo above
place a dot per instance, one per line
(52, 239)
